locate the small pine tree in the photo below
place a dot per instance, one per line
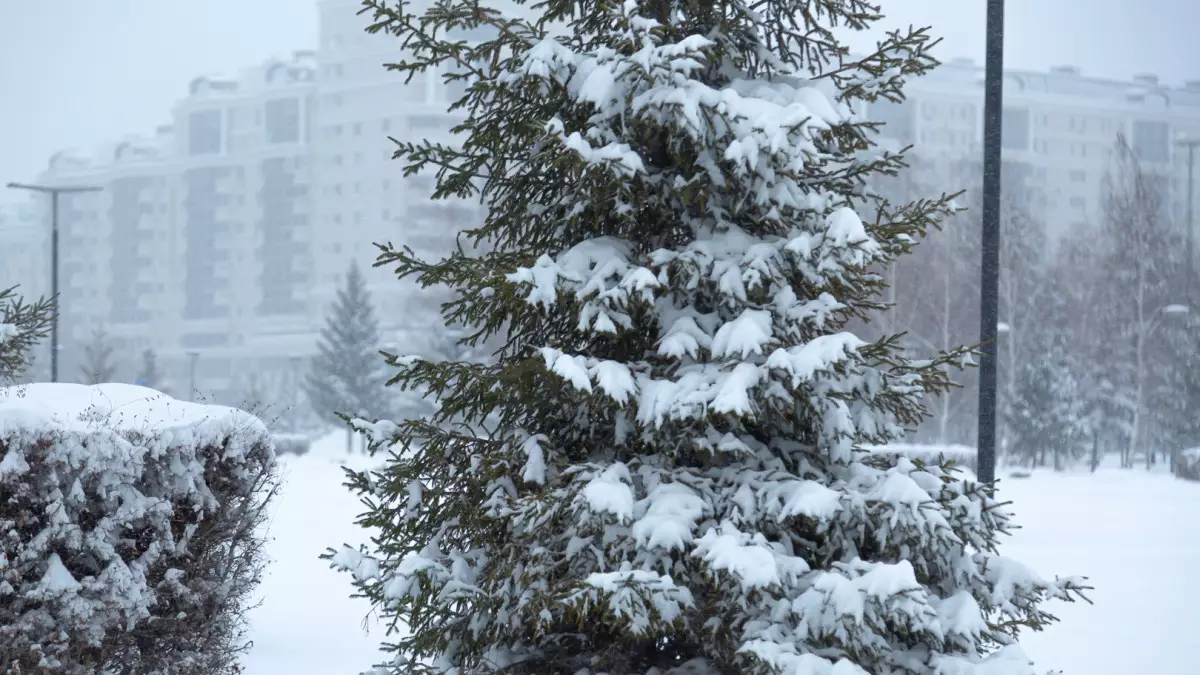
(660, 470)
(348, 377)
(22, 326)
(148, 374)
(1046, 415)
(98, 366)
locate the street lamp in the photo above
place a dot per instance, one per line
(54, 192)
(989, 275)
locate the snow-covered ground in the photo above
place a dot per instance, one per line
(1132, 533)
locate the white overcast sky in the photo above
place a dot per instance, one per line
(80, 72)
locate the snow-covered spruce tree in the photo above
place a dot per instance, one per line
(659, 473)
(347, 376)
(22, 326)
(1045, 418)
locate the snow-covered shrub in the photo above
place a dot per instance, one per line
(130, 536)
(1187, 464)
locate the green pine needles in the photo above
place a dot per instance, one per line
(658, 472)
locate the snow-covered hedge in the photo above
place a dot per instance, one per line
(1187, 465)
(130, 536)
(962, 455)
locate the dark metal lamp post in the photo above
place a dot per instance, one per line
(989, 286)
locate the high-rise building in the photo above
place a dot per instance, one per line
(363, 196)
(1060, 124)
(200, 241)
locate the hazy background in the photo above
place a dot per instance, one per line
(81, 72)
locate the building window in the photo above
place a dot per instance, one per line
(204, 133)
(1078, 176)
(283, 120)
(1014, 127)
(1078, 202)
(1151, 141)
(385, 125)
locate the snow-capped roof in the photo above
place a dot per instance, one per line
(117, 407)
(300, 67)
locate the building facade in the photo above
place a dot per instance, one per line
(199, 243)
(1060, 124)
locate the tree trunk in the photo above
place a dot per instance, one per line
(349, 441)
(1095, 451)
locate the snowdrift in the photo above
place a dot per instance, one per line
(129, 529)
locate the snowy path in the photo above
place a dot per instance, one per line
(1132, 533)
(307, 623)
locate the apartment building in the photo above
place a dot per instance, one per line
(1061, 124)
(244, 178)
(363, 196)
(222, 240)
(198, 242)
